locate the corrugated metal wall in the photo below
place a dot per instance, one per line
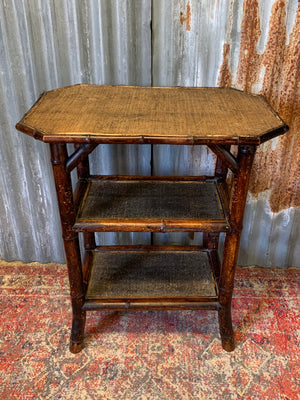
(251, 45)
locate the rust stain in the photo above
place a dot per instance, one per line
(225, 78)
(279, 169)
(276, 169)
(187, 19)
(249, 59)
(273, 58)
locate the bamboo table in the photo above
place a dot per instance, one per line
(151, 277)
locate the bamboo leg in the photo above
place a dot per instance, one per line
(232, 241)
(67, 214)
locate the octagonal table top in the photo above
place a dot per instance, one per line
(130, 114)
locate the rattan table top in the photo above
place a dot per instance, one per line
(130, 114)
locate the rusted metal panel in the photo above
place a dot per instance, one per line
(252, 45)
(271, 67)
(268, 63)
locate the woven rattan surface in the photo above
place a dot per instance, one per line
(150, 201)
(151, 115)
(150, 274)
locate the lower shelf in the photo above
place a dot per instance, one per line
(150, 278)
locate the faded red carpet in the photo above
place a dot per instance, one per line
(148, 355)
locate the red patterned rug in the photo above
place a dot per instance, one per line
(151, 354)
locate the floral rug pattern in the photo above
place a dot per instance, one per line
(148, 354)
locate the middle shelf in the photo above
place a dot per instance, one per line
(151, 204)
